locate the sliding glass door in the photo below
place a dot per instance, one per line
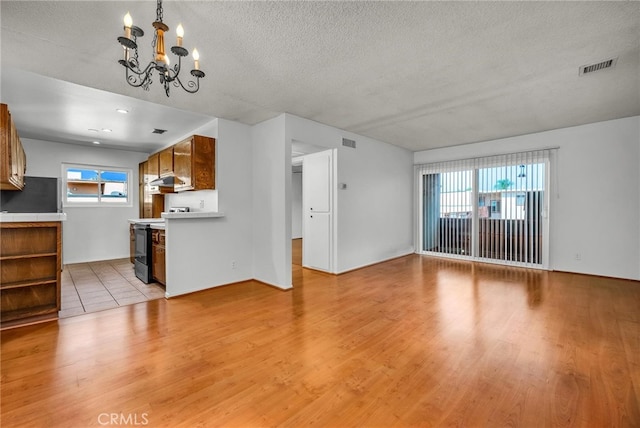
(490, 209)
(448, 206)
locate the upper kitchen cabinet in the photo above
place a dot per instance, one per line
(152, 173)
(14, 161)
(187, 165)
(166, 162)
(194, 164)
(144, 190)
(151, 199)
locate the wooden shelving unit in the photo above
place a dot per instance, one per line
(30, 269)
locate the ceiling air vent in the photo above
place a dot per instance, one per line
(158, 131)
(348, 143)
(603, 65)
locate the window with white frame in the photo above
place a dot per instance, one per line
(92, 185)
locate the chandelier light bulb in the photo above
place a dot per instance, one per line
(128, 22)
(180, 34)
(196, 60)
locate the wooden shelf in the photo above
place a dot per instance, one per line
(27, 256)
(30, 272)
(29, 312)
(29, 283)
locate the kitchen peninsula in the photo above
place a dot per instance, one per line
(186, 235)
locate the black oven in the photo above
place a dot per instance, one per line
(143, 252)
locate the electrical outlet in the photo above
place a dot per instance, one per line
(201, 203)
(578, 256)
(233, 264)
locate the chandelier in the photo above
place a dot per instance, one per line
(139, 77)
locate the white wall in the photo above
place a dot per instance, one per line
(375, 211)
(595, 200)
(90, 233)
(199, 200)
(206, 253)
(296, 205)
(271, 161)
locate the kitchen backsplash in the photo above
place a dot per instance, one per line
(198, 201)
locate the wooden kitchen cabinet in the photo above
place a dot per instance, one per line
(153, 172)
(191, 162)
(194, 164)
(166, 161)
(14, 160)
(158, 259)
(157, 206)
(151, 200)
(30, 271)
(142, 191)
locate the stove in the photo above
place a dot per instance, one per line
(179, 209)
(143, 262)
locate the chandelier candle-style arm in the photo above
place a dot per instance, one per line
(137, 77)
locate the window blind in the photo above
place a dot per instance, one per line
(488, 208)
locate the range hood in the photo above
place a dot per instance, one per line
(166, 181)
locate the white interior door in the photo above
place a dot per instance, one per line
(318, 210)
(317, 172)
(316, 242)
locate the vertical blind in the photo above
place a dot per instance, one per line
(489, 208)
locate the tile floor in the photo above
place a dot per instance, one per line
(95, 286)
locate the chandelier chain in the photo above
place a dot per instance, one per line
(159, 11)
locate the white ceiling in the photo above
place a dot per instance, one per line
(419, 75)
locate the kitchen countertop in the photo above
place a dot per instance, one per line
(159, 223)
(145, 220)
(31, 217)
(192, 214)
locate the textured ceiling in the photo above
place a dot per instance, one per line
(415, 74)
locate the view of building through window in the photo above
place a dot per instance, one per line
(502, 191)
(95, 185)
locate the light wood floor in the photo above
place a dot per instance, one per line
(296, 251)
(416, 341)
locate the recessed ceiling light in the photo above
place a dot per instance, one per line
(96, 142)
(106, 130)
(122, 110)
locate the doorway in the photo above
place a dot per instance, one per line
(296, 214)
(311, 177)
